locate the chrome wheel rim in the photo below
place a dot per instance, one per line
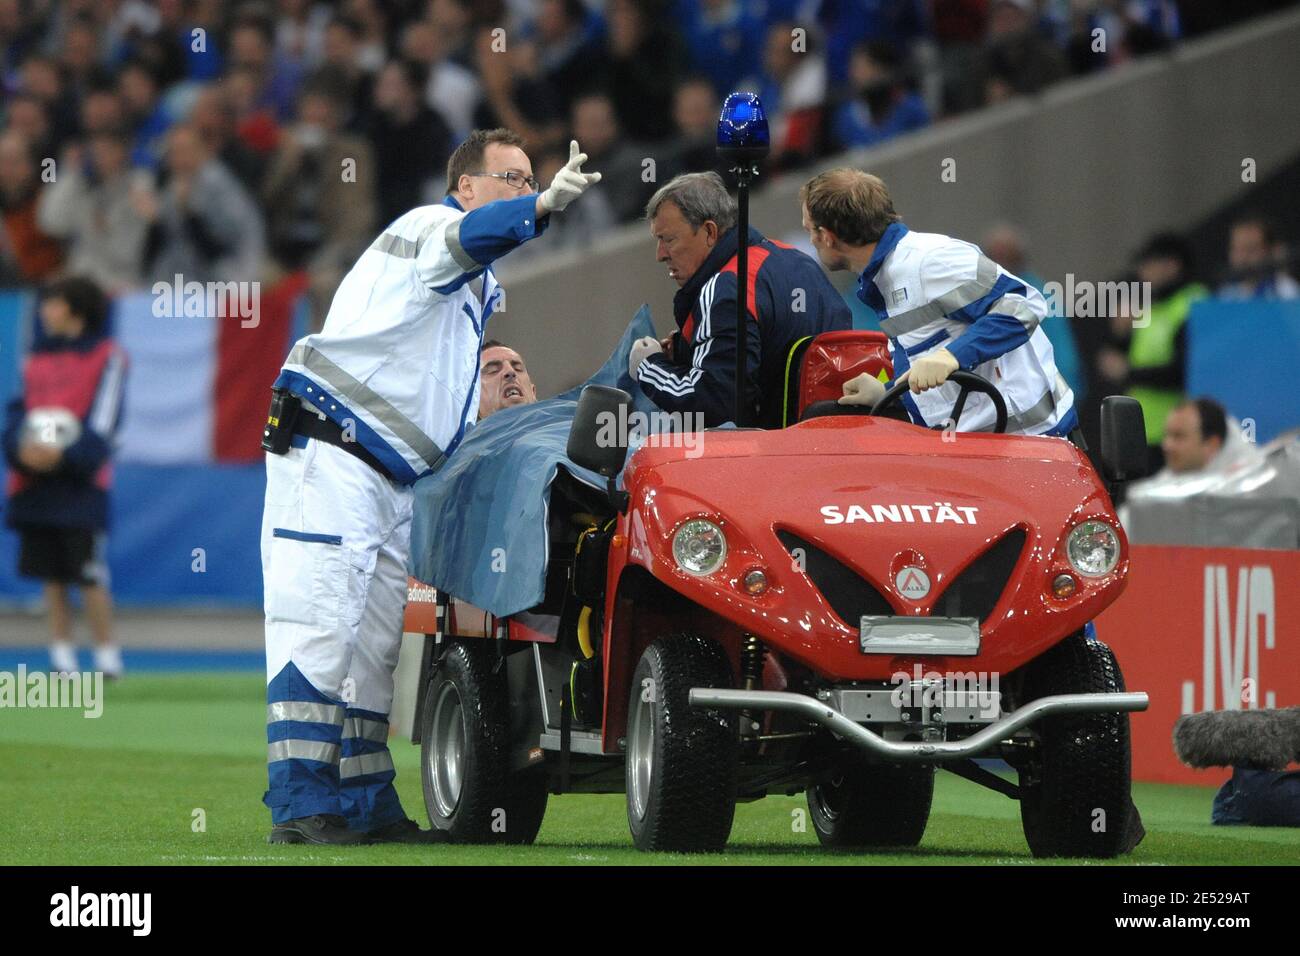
(447, 755)
(640, 756)
(827, 795)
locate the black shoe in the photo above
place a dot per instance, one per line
(323, 828)
(406, 831)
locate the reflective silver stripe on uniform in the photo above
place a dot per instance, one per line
(392, 244)
(1016, 306)
(463, 258)
(302, 750)
(362, 729)
(1041, 411)
(365, 764)
(305, 712)
(986, 275)
(361, 395)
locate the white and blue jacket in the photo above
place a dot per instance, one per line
(397, 357)
(931, 291)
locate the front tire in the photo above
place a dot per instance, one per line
(469, 790)
(872, 805)
(1076, 793)
(682, 761)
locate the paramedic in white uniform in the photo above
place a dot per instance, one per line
(945, 306)
(387, 389)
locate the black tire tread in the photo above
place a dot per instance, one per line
(693, 789)
(884, 805)
(488, 784)
(1085, 758)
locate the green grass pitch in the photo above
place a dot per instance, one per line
(123, 789)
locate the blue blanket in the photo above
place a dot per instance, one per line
(479, 529)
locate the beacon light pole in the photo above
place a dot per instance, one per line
(742, 140)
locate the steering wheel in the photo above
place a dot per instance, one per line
(969, 382)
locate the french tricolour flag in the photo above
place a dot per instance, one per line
(200, 384)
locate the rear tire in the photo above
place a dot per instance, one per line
(1076, 793)
(682, 761)
(464, 753)
(872, 805)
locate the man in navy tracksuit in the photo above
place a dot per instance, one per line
(693, 221)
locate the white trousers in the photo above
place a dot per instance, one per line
(335, 540)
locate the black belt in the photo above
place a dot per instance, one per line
(323, 429)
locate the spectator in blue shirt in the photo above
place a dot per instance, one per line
(725, 39)
(880, 106)
(147, 113)
(570, 48)
(200, 46)
(848, 23)
(252, 48)
(1257, 259)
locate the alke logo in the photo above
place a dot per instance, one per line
(1233, 629)
(912, 582)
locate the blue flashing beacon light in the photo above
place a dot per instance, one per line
(742, 129)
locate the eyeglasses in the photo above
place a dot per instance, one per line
(516, 180)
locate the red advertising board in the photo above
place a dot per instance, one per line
(1204, 629)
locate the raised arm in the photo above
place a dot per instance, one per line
(461, 245)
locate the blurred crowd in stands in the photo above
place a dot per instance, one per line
(145, 139)
(1147, 359)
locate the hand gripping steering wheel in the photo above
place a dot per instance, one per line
(969, 382)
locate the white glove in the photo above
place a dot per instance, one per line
(866, 389)
(569, 183)
(931, 369)
(641, 350)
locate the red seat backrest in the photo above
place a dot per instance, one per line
(834, 358)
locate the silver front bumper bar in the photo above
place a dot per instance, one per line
(920, 750)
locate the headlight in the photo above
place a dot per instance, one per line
(699, 547)
(1092, 548)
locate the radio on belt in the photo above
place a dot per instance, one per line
(280, 420)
